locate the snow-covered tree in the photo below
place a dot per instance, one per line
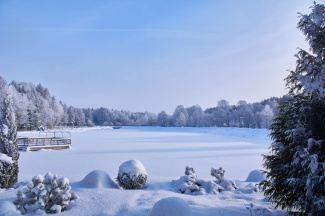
(296, 166)
(9, 153)
(162, 119)
(197, 117)
(180, 116)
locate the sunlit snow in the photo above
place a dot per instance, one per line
(93, 163)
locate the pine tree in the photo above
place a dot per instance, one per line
(295, 176)
(8, 147)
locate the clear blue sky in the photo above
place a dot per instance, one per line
(151, 55)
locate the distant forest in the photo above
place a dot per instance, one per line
(35, 106)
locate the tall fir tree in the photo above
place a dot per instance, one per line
(295, 175)
(9, 153)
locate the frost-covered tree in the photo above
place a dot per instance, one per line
(9, 153)
(162, 119)
(296, 166)
(180, 116)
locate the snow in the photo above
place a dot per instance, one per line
(164, 152)
(5, 130)
(97, 179)
(8, 209)
(56, 208)
(255, 176)
(6, 158)
(171, 206)
(133, 168)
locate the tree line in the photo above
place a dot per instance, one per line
(34, 106)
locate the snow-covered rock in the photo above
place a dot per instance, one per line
(171, 206)
(132, 175)
(97, 179)
(255, 176)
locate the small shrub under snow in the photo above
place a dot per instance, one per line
(132, 175)
(190, 184)
(45, 193)
(218, 173)
(227, 184)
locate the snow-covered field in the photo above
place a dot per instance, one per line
(164, 152)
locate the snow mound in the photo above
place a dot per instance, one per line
(171, 206)
(255, 176)
(8, 209)
(97, 179)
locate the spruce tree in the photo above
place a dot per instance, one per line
(9, 153)
(295, 175)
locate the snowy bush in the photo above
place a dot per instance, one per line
(132, 175)
(189, 171)
(224, 183)
(45, 193)
(171, 206)
(218, 173)
(190, 184)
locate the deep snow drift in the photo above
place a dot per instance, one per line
(93, 162)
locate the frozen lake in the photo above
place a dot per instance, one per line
(164, 151)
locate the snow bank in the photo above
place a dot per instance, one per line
(97, 179)
(8, 209)
(255, 176)
(171, 206)
(5, 158)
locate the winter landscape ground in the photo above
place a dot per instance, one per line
(164, 152)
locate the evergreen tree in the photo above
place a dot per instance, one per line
(8, 147)
(296, 166)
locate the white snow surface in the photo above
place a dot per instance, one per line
(255, 176)
(98, 179)
(5, 130)
(171, 206)
(8, 209)
(164, 152)
(133, 167)
(5, 158)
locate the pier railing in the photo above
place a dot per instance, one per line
(43, 142)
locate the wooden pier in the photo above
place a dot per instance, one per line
(37, 143)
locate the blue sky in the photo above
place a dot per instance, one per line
(144, 55)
